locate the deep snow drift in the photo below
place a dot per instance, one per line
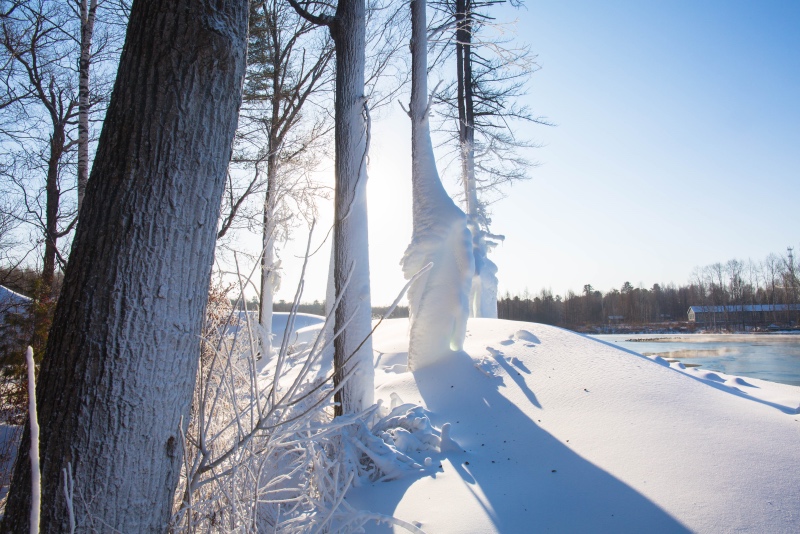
(563, 433)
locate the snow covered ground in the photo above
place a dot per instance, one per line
(563, 433)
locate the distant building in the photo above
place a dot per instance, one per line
(615, 318)
(749, 314)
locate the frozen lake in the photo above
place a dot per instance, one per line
(774, 357)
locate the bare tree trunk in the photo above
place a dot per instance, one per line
(461, 39)
(88, 8)
(468, 145)
(52, 201)
(119, 369)
(353, 347)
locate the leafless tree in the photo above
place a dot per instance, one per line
(282, 135)
(42, 132)
(481, 110)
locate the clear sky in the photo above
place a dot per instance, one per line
(677, 144)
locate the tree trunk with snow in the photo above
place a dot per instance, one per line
(353, 347)
(438, 300)
(483, 295)
(269, 274)
(118, 373)
(270, 277)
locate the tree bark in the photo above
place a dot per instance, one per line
(466, 116)
(353, 347)
(117, 376)
(350, 253)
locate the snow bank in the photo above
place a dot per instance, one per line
(559, 432)
(303, 330)
(301, 321)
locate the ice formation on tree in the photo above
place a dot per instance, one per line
(483, 294)
(439, 300)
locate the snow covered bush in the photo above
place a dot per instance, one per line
(263, 451)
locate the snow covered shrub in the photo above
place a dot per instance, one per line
(263, 451)
(255, 445)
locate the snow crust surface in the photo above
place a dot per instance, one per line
(553, 431)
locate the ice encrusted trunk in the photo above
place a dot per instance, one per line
(438, 300)
(117, 377)
(483, 294)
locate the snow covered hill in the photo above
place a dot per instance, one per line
(562, 433)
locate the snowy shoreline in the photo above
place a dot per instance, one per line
(729, 336)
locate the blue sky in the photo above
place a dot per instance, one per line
(677, 144)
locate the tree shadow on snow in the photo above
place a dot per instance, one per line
(525, 479)
(515, 375)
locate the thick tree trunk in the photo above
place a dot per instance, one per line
(351, 244)
(88, 8)
(117, 377)
(438, 300)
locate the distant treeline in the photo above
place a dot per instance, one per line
(628, 304)
(771, 281)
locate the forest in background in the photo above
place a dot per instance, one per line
(735, 282)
